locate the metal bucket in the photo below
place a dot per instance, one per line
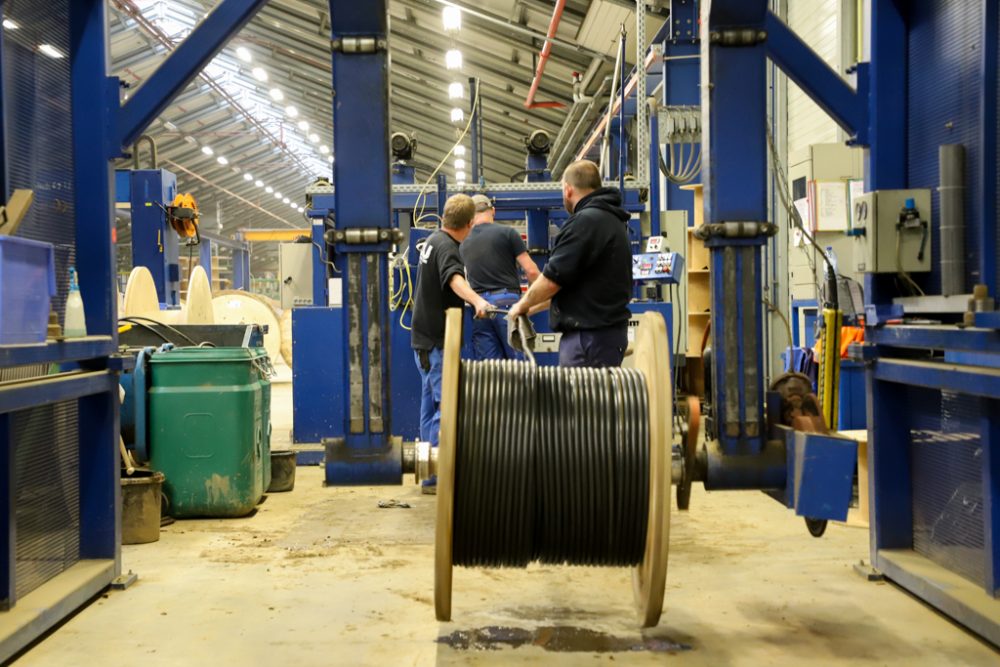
(141, 507)
(282, 471)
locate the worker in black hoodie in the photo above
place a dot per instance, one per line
(587, 281)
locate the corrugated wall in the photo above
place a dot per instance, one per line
(817, 23)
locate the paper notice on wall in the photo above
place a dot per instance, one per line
(802, 206)
(832, 210)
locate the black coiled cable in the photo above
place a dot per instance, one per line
(552, 465)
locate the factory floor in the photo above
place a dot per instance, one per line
(322, 576)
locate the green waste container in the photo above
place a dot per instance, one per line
(209, 427)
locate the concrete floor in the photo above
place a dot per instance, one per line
(323, 577)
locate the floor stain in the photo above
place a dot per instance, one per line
(563, 639)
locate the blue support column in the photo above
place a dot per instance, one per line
(154, 243)
(887, 108)
(8, 519)
(205, 258)
(991, 497)
(182, 66)
(241, 268)
(734, 173)
(538, 219)
(362, 201)
(320, 272)
(681, 73)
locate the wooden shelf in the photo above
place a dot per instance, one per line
(698, 283)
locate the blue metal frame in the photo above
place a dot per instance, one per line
(155, 244)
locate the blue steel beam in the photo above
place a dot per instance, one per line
(182, 66)
(735, 176)
(847, 107)
(988, 146)
(887, 112)
(972, 380)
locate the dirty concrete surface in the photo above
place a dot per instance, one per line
(322, 576)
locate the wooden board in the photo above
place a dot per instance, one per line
(446, 464)
(198, 308)
(652, 358)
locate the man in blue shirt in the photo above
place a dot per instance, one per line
(492, 254)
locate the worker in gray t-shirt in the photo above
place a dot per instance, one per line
(492, 254)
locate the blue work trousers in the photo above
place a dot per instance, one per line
(594, 348)
(489, 334)
(429, 364)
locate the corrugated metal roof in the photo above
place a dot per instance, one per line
(231, 111)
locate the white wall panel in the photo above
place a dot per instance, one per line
(818, 23)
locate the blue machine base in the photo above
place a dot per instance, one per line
(355, 466)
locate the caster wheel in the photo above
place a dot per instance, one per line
(816, 526)
(690, 451)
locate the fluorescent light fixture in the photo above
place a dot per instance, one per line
(222, 160)
(269, 189)
(247, 177)
(191, 140)
(10, 25)
(301, 210)
(50, 51)
(455, 91)
(453, 59)
(259, 73)
(304, 125)
(293, 205)
(207, 150)
(460, 176)
(276, 94)
(259, 183)
(243, 53)
(291, 111)
(324, 150)
(459, 151)
(277, 195)
(314, 138)
(330, 159)
(457, 115)
(451, 16)
(285, 199)
(459, 163)
(170, 126)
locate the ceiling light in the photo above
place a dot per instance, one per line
(269, 189)
(207, 150)
(170, 126)
(314, 138)
(301, 210)
(460, 176)
(10, 25)
(457, 115)
(304, 125)
(285, 200)
(259, 73)
(324, 150)
(460, 164)
(459, 151)
(291, 111)
(451, 16)
(243, 53)
(50, 51)
(276, 94)
(455, 91)
(453, 59)
(191, 140)
(277, 195)
(330, 159)
(247, 177)
(222, 160)
(259, 183)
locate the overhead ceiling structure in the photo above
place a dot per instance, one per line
(255, 128)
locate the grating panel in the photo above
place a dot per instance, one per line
(947, 466)
(944, 88)
(38, 139)
(47, 493)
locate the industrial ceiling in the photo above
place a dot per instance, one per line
(256, 127)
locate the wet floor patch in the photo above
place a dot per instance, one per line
(566, 639)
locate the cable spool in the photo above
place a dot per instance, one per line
(556, 465)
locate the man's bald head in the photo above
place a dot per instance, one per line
(579, 180)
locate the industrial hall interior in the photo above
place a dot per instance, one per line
(499, 332)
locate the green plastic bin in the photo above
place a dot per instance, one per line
(209, 427)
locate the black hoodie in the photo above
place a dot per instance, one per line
(592, 263)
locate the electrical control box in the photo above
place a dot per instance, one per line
(892, 231)
(295, 262)
(667, 267)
